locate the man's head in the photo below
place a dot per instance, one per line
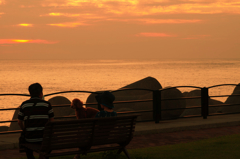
(35, 90)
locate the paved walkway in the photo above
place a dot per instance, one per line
(151, 134)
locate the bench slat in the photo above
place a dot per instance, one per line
(68, 145)
(71, 139)
(70, 131)
(66, 136)
(112, 134)
(109, 141)
(99, 135)
(66, 127)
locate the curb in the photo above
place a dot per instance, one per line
(185, 128)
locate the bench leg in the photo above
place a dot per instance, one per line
(77, 156)
(125, 152)
(41, 156)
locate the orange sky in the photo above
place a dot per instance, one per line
(119, 29)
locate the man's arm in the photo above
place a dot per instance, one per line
(20, 123)
(50, 113)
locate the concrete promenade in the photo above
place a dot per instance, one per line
(10, 141)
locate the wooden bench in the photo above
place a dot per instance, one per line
(86, 135)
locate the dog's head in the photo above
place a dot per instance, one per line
(76, 104)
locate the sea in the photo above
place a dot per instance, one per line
(99, 75)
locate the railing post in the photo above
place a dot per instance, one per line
(157, 115)
(204, 102)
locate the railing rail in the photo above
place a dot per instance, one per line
(156, 102)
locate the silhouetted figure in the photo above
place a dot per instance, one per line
(33, 116)
(81, 111)
(106, 101)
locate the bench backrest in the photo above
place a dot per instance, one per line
(88, 132)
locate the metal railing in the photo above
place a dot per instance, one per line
(156, 100)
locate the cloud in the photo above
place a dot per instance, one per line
(74, 8)
(78, 16)
(212, 7)
(146, 7)
(98, 3)
(71, 25)
(155, 35)
(196, 37)
(25, 25)
(170, 21)
(64, 14)
(160, 21)
(157, 21)
(19, 41)
(61, 13)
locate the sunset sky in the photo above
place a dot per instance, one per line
(119, 29)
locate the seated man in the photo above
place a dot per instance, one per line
(33, 116)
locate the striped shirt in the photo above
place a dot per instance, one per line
(38, 117)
